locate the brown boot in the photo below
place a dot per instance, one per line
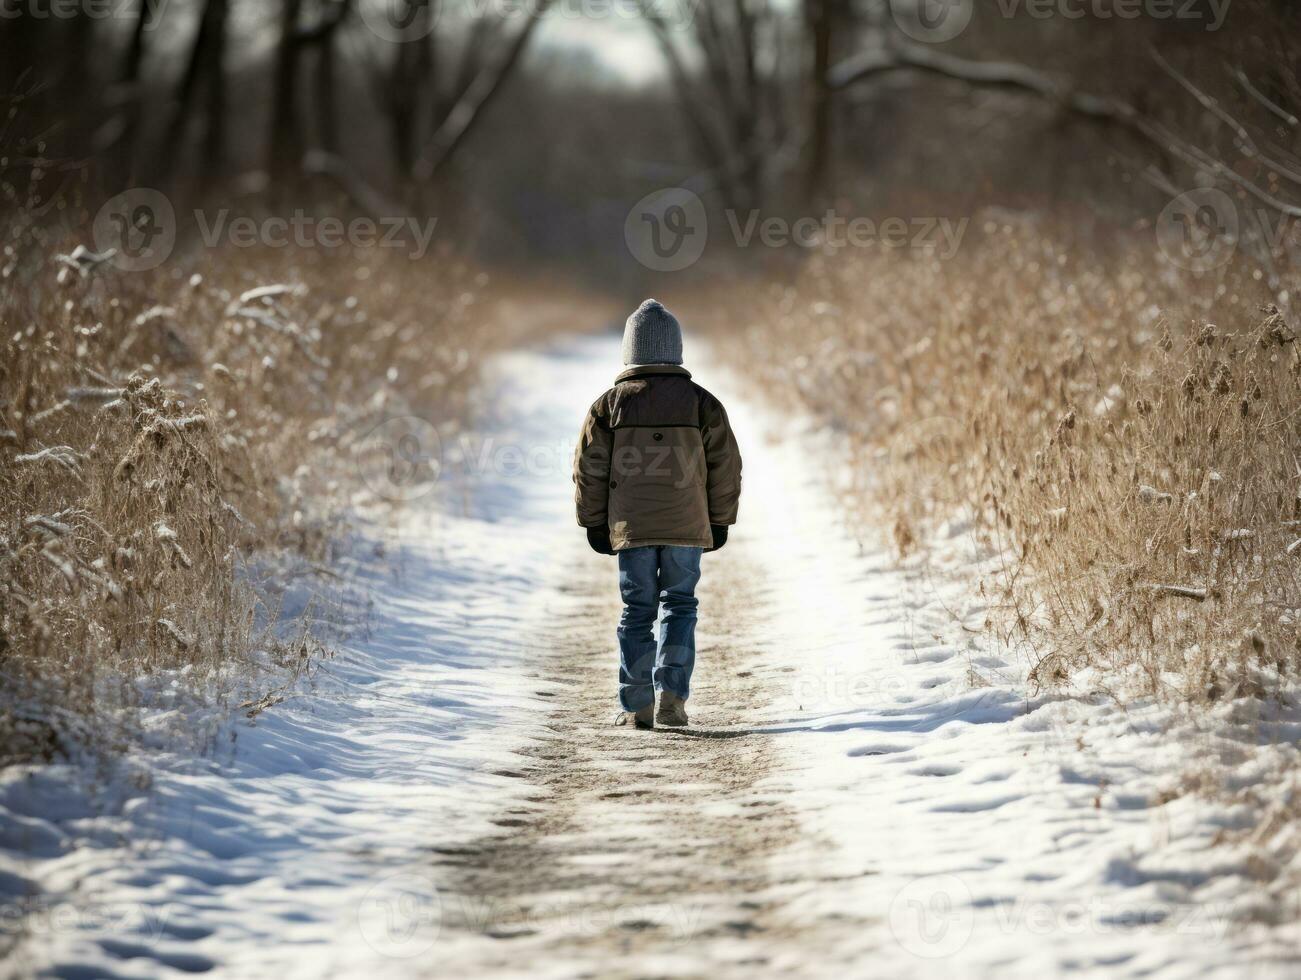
(641, 718)
(673, 710)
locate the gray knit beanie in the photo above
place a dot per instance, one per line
(652, 335)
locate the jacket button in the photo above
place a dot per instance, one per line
(658, 436)
(613, 484)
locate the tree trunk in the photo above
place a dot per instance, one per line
(18, 47)
(213, 160)
(123, 148)
(473, 105)
(818, 18)
(409, 84)
(327, 120)
(283, 141)
(203, 67)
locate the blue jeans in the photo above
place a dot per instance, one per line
(648, 577)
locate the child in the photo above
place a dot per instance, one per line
(658, 476)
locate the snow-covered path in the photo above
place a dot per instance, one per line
(865, 790)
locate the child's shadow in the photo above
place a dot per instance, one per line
(688, 732)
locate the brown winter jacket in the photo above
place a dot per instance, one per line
(657, 461)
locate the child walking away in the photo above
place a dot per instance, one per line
(658, 477)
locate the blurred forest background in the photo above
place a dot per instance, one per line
(529, 127)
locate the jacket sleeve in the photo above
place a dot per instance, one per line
(592, 469)
(722, 462)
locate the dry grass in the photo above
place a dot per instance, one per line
(1135, 463)
(159, 428)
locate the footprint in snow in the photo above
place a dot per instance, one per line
(877, 750)
(935, 771)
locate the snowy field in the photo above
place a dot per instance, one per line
(911, 810)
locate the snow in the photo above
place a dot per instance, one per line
(272, 857)
(993, 833)
(951, 824)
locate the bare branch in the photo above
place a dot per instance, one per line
(1247, 144)
(1263, 99)
(323, 28)
(707, 144)
(999, 74)
(323, 164)
(1018, 77)
(470, 107)
(472, 57)
(1180, 591)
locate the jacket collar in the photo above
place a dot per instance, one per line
(643, 370)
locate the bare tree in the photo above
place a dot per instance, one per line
(821, 17)
(120, 135)
(479, 83)
(285, 141)
(1105, 110)
(18, 42)
(204, 70)
(326, 86)
(433, 98)
(1242, 134)
(735, 122)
